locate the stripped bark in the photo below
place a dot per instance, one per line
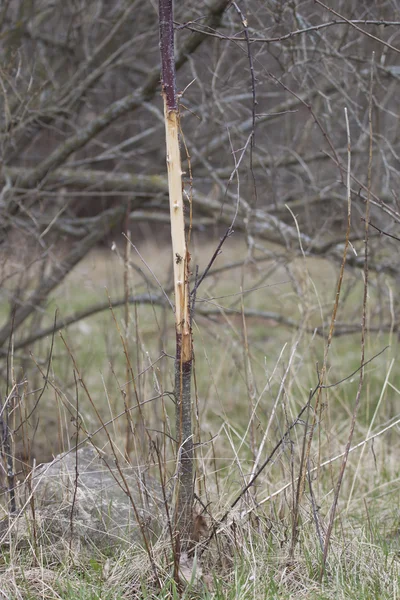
(181, 257)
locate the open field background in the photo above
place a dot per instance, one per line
(253, 375)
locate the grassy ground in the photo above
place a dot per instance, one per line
(252, 377)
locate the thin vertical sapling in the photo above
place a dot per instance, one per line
(181, 258)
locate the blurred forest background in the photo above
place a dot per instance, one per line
(264, 86)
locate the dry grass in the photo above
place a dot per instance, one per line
(252, 378)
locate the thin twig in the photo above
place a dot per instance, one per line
(258, 473)
(353, 24)
(381, 231)
(315, 508)
(296, 502)
(217, 251)
(363, 335)
(124, 485)
(254, 40)
(76, 478)
(321, 465)
(332, 324)
(253, 92)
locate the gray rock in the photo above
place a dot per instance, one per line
(84, 499)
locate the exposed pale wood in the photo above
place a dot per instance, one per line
(179, 249)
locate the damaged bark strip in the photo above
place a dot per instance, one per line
(181, 258)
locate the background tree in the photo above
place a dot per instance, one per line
(81, 105)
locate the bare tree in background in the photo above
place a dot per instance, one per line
(82, 132)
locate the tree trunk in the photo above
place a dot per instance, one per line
(181, 257)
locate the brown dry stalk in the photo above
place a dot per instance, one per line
(363, 330)
(124, 485)
(322, 375)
